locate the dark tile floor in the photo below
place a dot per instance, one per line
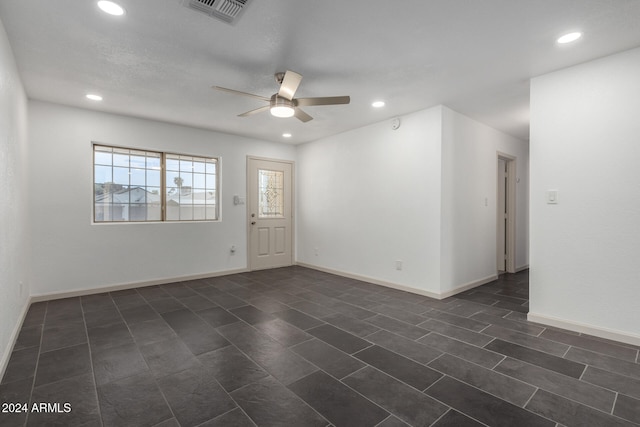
(298, 347)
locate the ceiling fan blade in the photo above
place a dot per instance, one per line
(324, 100)
(256, 111)
(302, 116)
(237, 92)
(289, 85)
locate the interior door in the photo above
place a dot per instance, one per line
(502, 215)
(270, 213)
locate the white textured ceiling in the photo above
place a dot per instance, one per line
(160, 60)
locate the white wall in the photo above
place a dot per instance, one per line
(371, 196)
(13, 190)
(469, 199)
(70, 253)
(585, 142)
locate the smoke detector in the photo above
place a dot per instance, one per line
(225, 10)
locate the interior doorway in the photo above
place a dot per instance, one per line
(506, 213)
(269, 213)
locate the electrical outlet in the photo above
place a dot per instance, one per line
(232, 249)
(315, 251)
(398, 265)
(21, 288)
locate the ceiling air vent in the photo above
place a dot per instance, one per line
(226, 10)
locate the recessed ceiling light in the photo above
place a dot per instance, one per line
(286, 135)
(569, 37)
(111, 8)
(378, 104)
(94, 97)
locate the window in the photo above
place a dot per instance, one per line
(135, 186)
(191, 188)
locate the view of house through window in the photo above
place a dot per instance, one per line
(134, 185)
(191, 188)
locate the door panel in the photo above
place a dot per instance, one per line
(270, 213)
(263, 241)
(281, 240)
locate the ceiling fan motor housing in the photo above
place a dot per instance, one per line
(279, 77)
(281, 107)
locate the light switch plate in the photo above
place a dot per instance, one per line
(552, 197)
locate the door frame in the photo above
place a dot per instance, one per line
(248, 205)
(510, 194)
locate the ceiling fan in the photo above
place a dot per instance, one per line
(283, 104)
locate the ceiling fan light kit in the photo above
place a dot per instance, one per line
(281, 107)
(283, 104)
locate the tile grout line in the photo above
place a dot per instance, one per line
(442, 416)
(564, 356)
(389, 417)
(230, 397)
(584, 370)
(367, 365)
(451, 407)
(503, 400)
(35, 371)
(615, 401)
(269, 375)
(154, 378)
(93, 373)
(589, 406)
(531, 397)
(496, 365)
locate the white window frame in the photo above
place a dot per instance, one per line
(186, 203)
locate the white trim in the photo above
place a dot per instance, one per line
(584, 328)
(469, 285)
(4, 361)
(371, 280)
(524, 267)
(131, 285)
(400, 287)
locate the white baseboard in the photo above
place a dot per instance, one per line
(524, 267)
(371, 280)
(130, 285)
(467, 286)
(6, 355)
(584, 328)
(400, 287)
(4, 361)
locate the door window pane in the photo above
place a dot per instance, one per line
(270, 193)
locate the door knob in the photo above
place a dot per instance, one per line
(253, 223)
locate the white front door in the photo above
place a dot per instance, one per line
(270, 213)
